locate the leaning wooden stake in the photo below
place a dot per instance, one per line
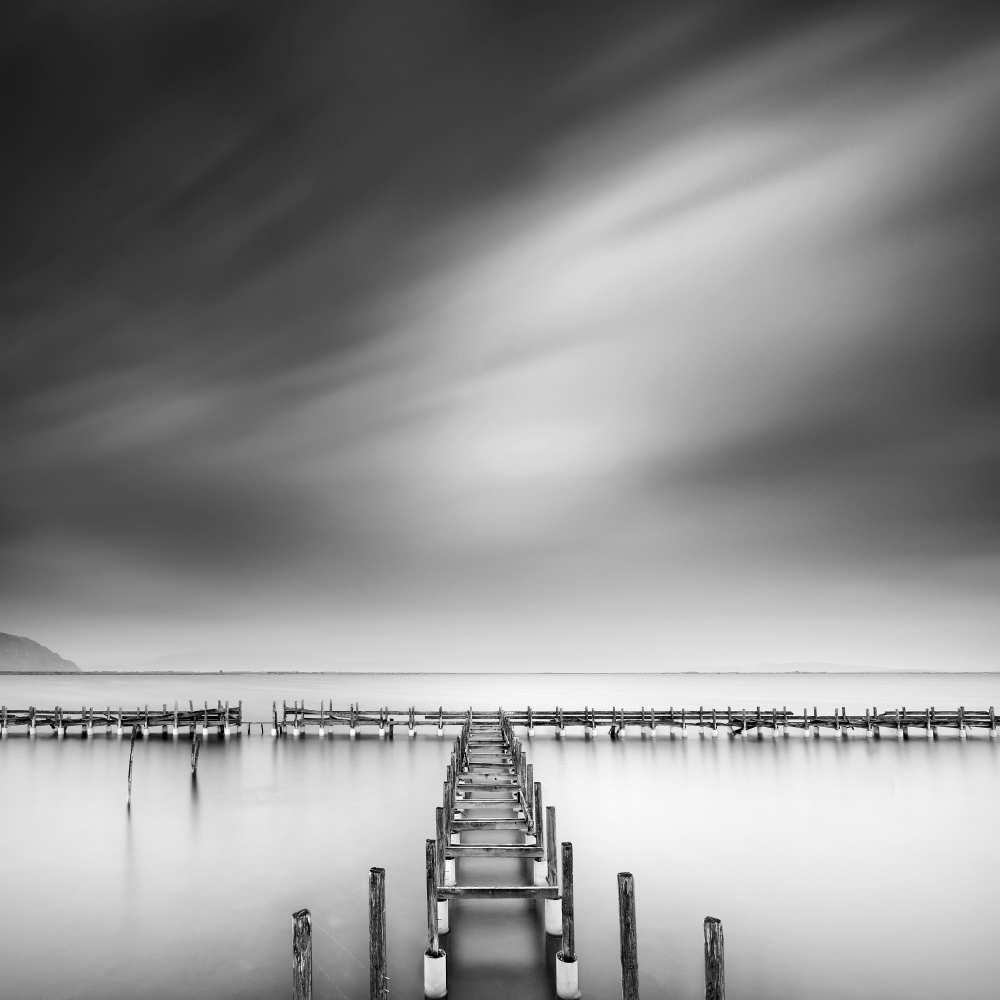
(302, 956)
(131, 754)
(626, 926)
(715, 966)
(378, 980)
(195, 750)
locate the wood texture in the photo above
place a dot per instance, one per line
(715, 971)
(378, 978)
(627, 936)
(302, 963)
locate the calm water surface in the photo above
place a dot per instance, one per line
(846, 868)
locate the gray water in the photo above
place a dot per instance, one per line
(840, 868)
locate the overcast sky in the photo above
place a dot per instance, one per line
(482, 334)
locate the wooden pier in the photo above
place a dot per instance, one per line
(299, 719)
(489, 792)
(222, 719)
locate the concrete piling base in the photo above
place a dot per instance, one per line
(567, 978)
(553, 916)
(435, 975)
(449, 871)
(443, 916)
(541, 872)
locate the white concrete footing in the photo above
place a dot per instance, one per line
(274, 732)
(443, 916)
(175, 732)
(449, 871)
(353, 733)
(413, 732)
(381, 733)
(60, 733)
(553, 916)
(541, 872)
(435, 975)
(962, 734)
(204, 732)
(567, 978)
(456, 840)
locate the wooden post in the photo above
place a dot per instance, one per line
(378, 980)
(568, 916)
(626, 926)
(433, 944)
(131, 754)
(550, 845)
(715, 968)
(195, 750)
(528, 798)
(302, 956)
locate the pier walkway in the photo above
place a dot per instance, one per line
(492, 808)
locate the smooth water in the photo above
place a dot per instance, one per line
(840, 868)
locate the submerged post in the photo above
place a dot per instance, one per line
(302, 956)
(567, 967)
(378, 981)
(626, 928)
(435, 959)
(715, 967)
(131, 754)
(195, 750)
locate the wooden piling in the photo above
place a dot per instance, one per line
(568, 916)
(433, 944)
(302, 963)
(626, 927)
(378, 979)
(195, 750)
(131, 755)
(715, 970)
(550, 846)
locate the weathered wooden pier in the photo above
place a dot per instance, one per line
(299, 719)
(489, 791)
(221, 718)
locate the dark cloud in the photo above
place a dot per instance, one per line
(481, 302)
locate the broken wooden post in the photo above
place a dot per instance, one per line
(378, 979)
(567, 967)
(195, 750)
(435, 959)
(715, 968)
(131, 754)
(302, 956)
(626, 928)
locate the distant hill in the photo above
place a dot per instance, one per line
(25, 656)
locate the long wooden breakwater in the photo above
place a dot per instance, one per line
(221, 718)
(298, 719)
